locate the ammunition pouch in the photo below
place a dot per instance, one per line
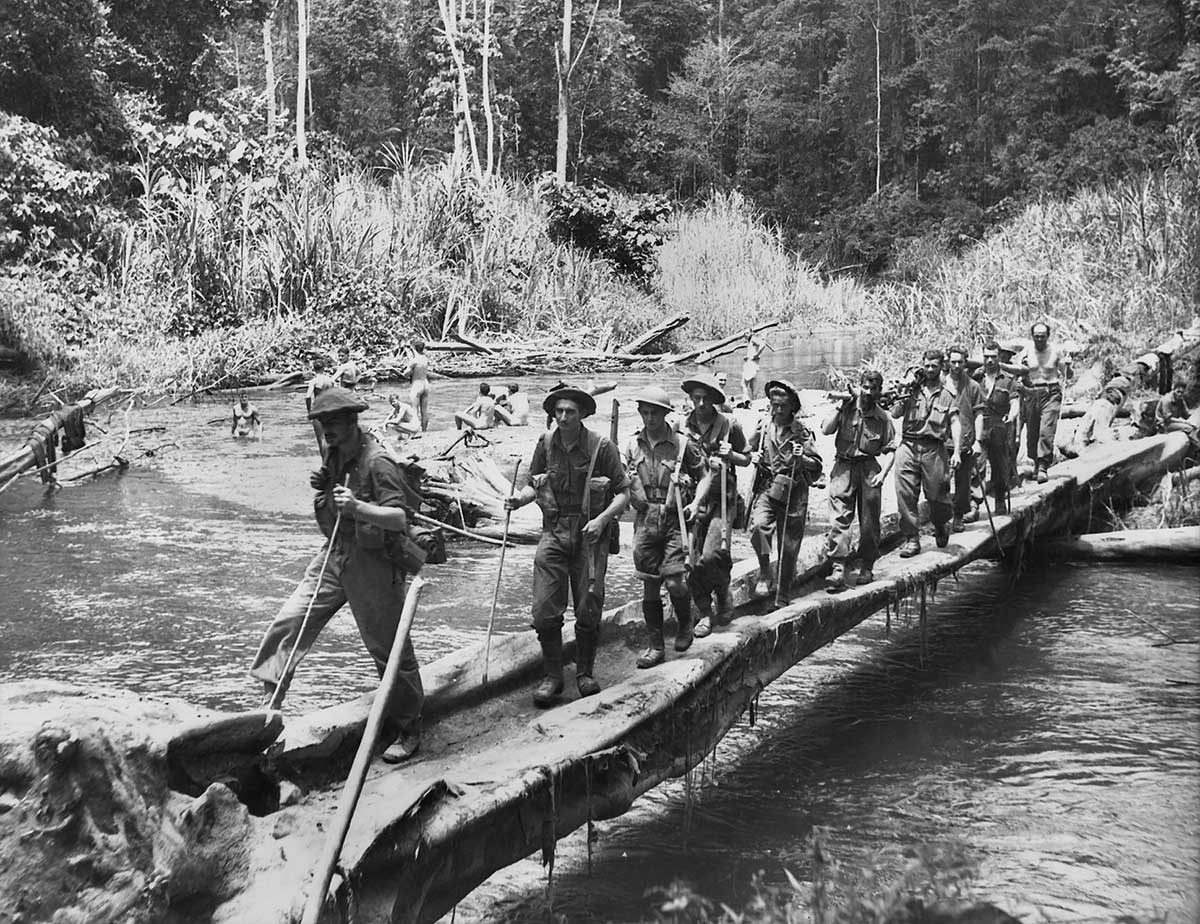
(405, 553)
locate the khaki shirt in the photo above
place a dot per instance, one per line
(863, 433)
(970, 406)
(374, 477)
(927, 414)
(566, 467)
(652, 466)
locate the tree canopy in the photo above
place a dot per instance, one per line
(850, 123)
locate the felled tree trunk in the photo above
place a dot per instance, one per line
(1180, 544)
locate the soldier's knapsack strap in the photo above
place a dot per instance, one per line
(587, 482)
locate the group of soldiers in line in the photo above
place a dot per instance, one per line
(681, 481)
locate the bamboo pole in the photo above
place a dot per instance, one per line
(430, 521)
(362, 760)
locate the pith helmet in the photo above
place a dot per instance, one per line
(334, 400)
(585, 402)
(655, 397)
(707, 381)
(786, 386)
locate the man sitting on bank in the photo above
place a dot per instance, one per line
(663, 465)
(481, 414)
(578, 480)
(862, 432)
(362, 482)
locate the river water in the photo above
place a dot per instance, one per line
(1044, 725)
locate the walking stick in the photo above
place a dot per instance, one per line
(487, 645)
(988, 507)
(780, 593)
(362, 760)
(289, 664)
(725, 526)
(683, 530)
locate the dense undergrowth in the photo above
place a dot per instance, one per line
(216, 260)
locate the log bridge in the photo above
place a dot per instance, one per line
(209, 827)
(498, 780)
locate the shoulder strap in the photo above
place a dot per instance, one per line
(587, 493)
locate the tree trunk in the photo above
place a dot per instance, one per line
(301, 79)
(268, 29)
(1181, 544)
(563, 64)
(878, 106)
(486, 90)
(462, 98)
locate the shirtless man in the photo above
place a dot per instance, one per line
(1045, 369)
(346, 374)
(245, 419)
(402, 419)
(481, 415)
(754, 349)
(518, 406)
(418, 390)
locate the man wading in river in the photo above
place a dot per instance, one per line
(928, 411)
(579, 483)
(721, 440)
(663, 464)
(785, 454)
(362, 568)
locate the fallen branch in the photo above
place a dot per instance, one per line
(704, 354)
(430, 521)
(37, 471)
(638, 344)
(24, 458)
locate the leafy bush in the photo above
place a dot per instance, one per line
(622, 230)
(46, 204)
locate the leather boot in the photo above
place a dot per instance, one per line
(586, 642)
(550, 689)
(762, 586)
(724, 606)
(682, 605)
(705, 623)
(652, 612)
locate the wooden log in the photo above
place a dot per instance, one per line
(23, 458)
(1178, 479)
(1179, 544)
(703, 354)
(638, 344)
(475, 346)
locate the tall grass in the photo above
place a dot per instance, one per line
(224, 276)
(220, 272)
(1111, 268)
(728, 269)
